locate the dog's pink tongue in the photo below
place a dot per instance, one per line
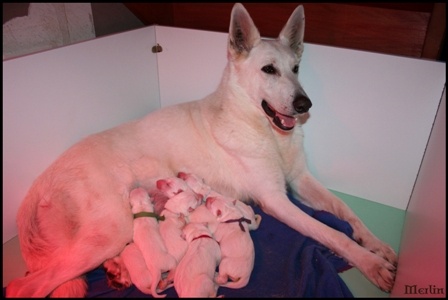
(286, 121)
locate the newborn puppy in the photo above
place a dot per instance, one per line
(200, 187)
(195, 273)
(172, 186)
(117, 274)
(129, 268)
(182, 201)
(237, 248)
(148, 239)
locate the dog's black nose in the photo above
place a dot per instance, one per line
(302, 104)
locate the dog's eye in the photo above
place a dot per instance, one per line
(295, 70)
(269, 69)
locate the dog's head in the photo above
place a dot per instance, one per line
(267, 70)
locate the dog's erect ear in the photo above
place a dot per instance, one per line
(243, 35)
(294, 30)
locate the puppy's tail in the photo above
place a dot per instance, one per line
(235, 284)
(154, 286)
(75, 288)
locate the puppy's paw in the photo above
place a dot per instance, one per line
(221, 279)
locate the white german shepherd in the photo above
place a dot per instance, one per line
(244, 139)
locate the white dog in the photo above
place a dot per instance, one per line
(242, 139)
(195, 273)
(237, 247)
(148, 239)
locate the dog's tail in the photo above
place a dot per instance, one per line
(75, 288)
(34, 248)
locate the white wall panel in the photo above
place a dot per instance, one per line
(54, 98)
(370, 121)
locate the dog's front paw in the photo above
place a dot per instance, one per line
(379, 271)
(381, 249)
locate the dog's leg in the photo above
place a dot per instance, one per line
(375, 268)
(312, 192)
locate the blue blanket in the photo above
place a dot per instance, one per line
(287, 264)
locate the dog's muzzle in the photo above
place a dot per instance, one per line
(284, 122)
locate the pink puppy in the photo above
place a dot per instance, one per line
(195, 273)
(129, 268)
(148, 239)
(237, 248)
(182, 201)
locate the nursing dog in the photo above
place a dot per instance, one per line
(245, 139)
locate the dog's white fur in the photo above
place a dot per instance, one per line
(237, 247)
(235, 141)
(148, 239)
(195, 273)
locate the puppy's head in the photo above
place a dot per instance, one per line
(171, 186)
(223, 208)
(184, 202)
(140, 200)
(116, 274)
(196, 183)
(194, 230)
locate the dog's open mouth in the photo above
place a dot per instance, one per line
(284, 122)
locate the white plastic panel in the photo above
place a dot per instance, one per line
(191, 63)
(52, 99)
(422, 262)
(370, 121)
